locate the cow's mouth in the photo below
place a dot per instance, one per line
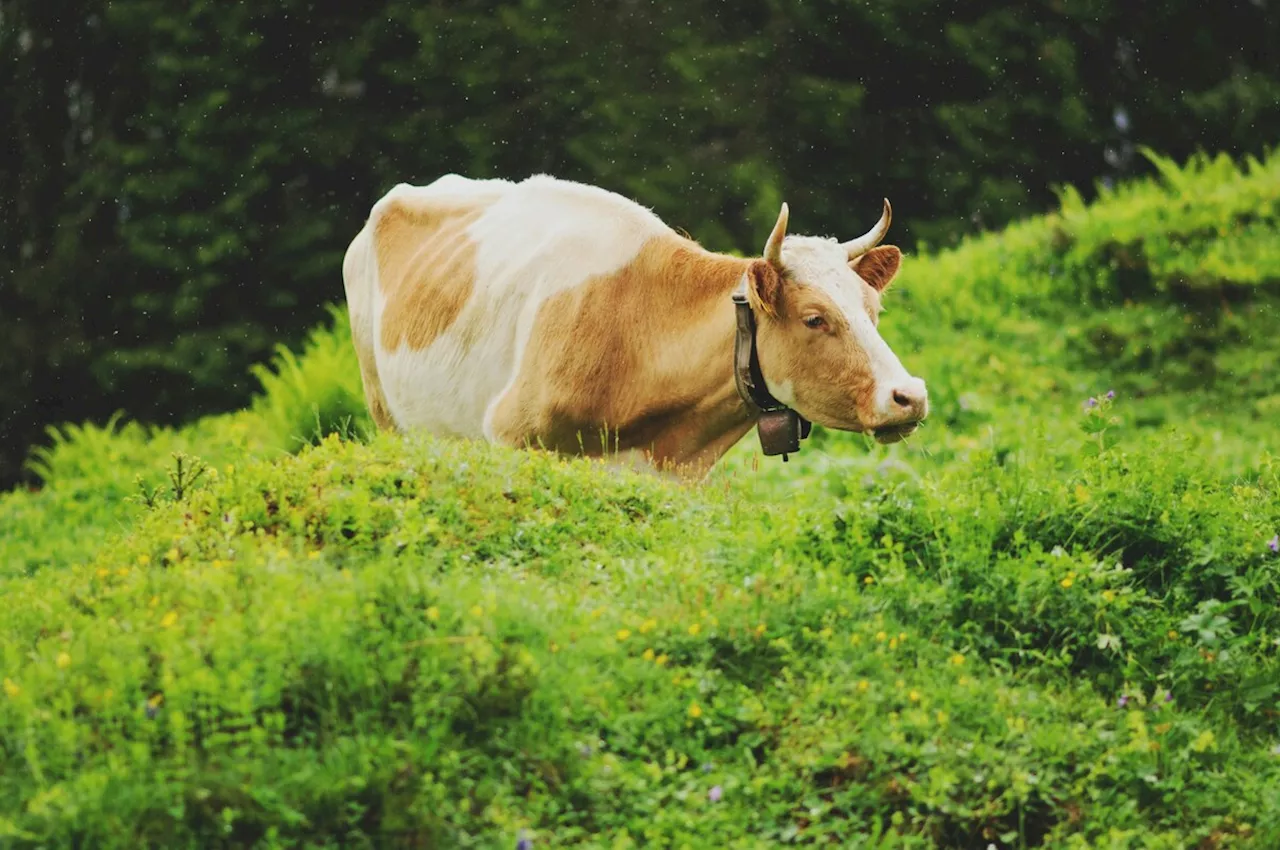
(894, 433)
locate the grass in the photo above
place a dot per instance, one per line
(1041, 622)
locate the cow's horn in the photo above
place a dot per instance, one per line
(773, 248)
(857, 247)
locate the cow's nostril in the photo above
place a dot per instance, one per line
(902, 399)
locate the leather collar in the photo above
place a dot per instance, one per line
(780, 428)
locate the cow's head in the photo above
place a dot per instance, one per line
(817, 305)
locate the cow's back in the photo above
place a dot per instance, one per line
(444, 283)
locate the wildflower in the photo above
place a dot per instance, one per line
(122, 572)
(555, 647)
(63, 660)
(715, 794)
(964, 681)
(863, 684)
(914, 696)
(433, 613)
(1274, 543)
(525, 842)
(1172, 635)
(855, 640)
(893, 643)
(11, 687)
(143, 560)
(168, 619)
(1111, 394)
(103, 572)
(957, 659)
(695, 710)
(1108, 596)
(312, 555)
(695, 628)
(1091, 403)
(647, 655)
(942, 717)
(172, 554)
(760, 629)
(1168, 696)
(661, 659)
(881, 636)
(869, 580)
(477, 611)
(1123, 701)
(648, 626)
(1067, 582)
(623, 634)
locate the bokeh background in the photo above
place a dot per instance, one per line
(178, 182)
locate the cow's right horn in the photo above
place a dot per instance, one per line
(855, 248)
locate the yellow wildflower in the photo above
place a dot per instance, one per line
(893, 643)
(168, 619)
(11, 687)
(1173, 635)
(914, 696)
(942, 718)
(155, 701)
(63, 660)
(123, 571)
(433, 613)
(103, 572)
(869, 580)
(863, 684)
(477, 611)
(881, 636)
(695, 710)
(661, 659)
(144, 559)
(172, 554)
(312, 555)
(623, 634)
(695, 628)
(1067, 582)
(902, 635)
(647, 655)
(648, 626)
(855, 640)
(760, 629)
(555, 647)
(964, 681)
(1108, 596)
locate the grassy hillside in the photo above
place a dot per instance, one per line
(1050, 619)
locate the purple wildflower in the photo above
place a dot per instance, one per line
(1091, 403)
(1168, 696)
(525, 842)
(1274, 543)
(715, 794)
(1123, 701)
(1111, 394)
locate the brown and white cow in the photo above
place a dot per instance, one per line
(551, 313)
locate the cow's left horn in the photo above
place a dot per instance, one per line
(773, 248)
(857, 247)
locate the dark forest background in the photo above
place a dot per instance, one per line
(178, 182)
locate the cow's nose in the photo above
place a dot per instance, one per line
(910, 400)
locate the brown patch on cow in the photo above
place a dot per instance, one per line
(654, 382)
(426, 269)
(878, 266)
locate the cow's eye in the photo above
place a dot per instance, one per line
(814, 322)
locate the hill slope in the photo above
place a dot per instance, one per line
(1042, 621)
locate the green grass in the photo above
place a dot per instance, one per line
(1039, 623)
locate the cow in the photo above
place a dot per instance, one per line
(546, 313)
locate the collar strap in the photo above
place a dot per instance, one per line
(780, 428)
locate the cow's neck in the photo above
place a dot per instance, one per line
(700, 414)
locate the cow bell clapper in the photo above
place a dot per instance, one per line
(779, 427)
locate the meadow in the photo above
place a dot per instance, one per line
(1050, 618)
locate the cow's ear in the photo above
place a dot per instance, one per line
(764, 288)
(879, 266)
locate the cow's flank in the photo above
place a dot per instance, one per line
(426, 269)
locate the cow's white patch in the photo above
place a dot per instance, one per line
(535, 239)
